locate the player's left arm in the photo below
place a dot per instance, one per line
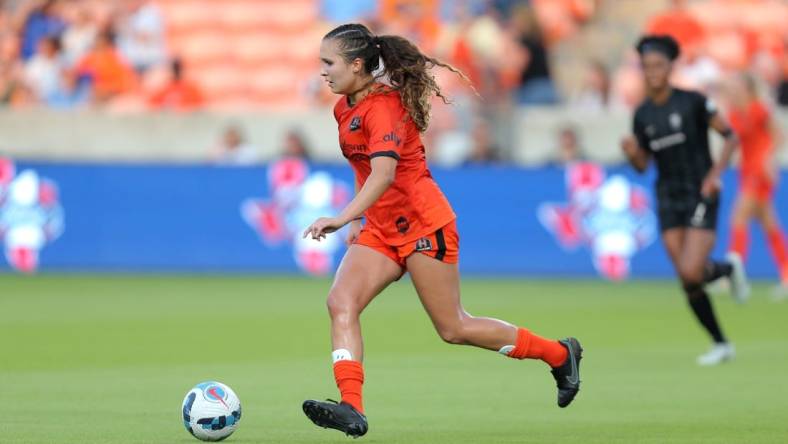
(712, 184)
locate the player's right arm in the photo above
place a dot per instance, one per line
(355, 226)
(638, 157)
(635, 146)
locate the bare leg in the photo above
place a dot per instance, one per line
(363, 274)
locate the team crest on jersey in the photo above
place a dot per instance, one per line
(355, 123)
(402, 225)
(675, 120)
(423, 244)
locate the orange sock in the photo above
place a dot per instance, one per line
(349, 376)
(531, 346)
(740, 241)
(777, 245)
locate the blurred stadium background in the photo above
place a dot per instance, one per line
(159, 158)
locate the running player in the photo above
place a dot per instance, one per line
(409, 224)
(672, 126)
(759, 135)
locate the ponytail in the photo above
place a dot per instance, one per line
(407, 69)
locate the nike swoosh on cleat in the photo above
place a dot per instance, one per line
(575, 377)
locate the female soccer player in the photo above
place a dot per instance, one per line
(409, 224)
(759, 135)
(672, 126)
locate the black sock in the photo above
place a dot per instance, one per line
(715, 270)
(701, 305)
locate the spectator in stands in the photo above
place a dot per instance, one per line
(483, 149)
(536, 85)
(43, 71)
(233, 149)
(179, 93)
(680, 24)
(141, 35)
(107, 71)
(595, 92)
(39, 19)
(295, 145)
(782, 89)
(80, 35)
(568, 150)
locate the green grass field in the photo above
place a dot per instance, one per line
(87, 359)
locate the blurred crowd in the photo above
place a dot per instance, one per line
(136, 55)
(73, 53)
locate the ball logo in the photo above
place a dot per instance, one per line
(215, 393)
(298, 197)
(30, 215)
(611, 216)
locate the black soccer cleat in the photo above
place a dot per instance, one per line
(340, 416)
(567, 376)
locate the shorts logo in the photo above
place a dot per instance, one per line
(423, 244)
(402, 225)
(355, 123)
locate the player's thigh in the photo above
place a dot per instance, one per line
(744, 208)
(362, 275)
(698, 244)
(767, 215)
(438, 286)
(673, 239)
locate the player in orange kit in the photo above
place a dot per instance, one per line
(409, 226)
(759, 135)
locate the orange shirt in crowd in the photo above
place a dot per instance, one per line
(110, 73)
(180, 95)
(379, 125)
(680, 25)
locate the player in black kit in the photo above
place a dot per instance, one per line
(672, 126)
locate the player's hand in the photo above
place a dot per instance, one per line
(353, 232)
(323, 226)
(629, 145)
(711, 184)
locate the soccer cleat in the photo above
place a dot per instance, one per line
(740, 288)
(567, 376)
(339, 416)
(718, 354)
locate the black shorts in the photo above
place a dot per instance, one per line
(688, 212)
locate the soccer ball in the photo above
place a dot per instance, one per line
(211, 411)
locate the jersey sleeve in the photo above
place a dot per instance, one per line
(640, 132)
(705, 107)
(385, 129)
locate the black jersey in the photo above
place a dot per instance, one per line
(676, 133)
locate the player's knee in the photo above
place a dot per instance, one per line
(690, 274)
(453, 334)
(340, 307)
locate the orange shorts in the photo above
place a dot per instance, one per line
(760, 187)
(443, 245)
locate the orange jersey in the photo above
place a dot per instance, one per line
(752, 126)
(379, 125)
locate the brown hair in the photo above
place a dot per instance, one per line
(407, 69)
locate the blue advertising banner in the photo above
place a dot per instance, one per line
(581, 221)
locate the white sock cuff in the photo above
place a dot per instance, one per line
(341, 354)
(506, 349)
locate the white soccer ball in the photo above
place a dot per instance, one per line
(211, 411)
